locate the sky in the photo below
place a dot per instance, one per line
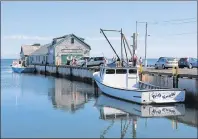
(172, 26)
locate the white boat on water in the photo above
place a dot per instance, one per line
(110, 107)
(123, 83)
(18, 67)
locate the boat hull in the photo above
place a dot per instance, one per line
(23, 69)
(141, 96)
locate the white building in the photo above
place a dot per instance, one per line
(67, 47)
(40, 55)
(61, 50)
(27, 50)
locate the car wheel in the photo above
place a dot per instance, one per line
(163, 67)
(190, 66)
(156, 66)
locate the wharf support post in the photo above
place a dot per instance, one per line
(140, 73)
(45, 68)
(57, 73)
(175, 77)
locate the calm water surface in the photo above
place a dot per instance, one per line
(39, 106)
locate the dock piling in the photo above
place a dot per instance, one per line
(175, 77)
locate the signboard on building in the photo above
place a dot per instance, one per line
(72, 51)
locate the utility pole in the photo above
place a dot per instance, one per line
(134, 43)
(136, 36)
(121, 60)
(145, 63)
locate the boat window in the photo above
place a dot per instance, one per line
(110, 71)
(121, 71)
(132, 71)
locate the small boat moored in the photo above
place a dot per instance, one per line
(18, 67)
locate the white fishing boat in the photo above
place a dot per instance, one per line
(123, 83)
(18, 66)
(110, 107)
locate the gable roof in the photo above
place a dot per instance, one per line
(43, 50)
(28, 49)
(61, 39)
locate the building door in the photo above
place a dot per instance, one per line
(63, 59)
(66, 57)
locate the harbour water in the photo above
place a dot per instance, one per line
(45, 106)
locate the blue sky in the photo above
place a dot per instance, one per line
(38, 22)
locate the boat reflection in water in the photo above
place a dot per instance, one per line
(128, 113)
(70, 95)
(110, 106)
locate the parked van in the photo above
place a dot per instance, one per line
(188, 62)
(96, 61)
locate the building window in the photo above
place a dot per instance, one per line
(72, 40)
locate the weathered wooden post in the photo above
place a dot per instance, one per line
(57, 74)
(70, 72)
(35, 68)
(175, 77)
(45, 68)
(140, 72)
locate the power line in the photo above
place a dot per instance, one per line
(179, 34)
(179, 19)
(183, 33)
(175, 21)
(165, 23)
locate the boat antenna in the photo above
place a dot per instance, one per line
(101, 30)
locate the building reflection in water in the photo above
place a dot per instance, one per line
(128, 113)
(70, 95)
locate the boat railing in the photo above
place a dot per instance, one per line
(143, 85)
(107, 67)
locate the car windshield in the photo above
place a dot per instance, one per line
(171, 59)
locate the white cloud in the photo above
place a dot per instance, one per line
(24, 37)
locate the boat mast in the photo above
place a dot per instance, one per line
(123, 41)
(101, 30)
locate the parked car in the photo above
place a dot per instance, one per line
(188, 62)
(166, 62)
(96, 61)
(81, 61)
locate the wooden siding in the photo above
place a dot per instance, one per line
(38, 59)
(65, 45)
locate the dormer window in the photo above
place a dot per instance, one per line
(72, 40)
